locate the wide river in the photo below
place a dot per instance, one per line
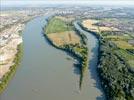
(45, 73)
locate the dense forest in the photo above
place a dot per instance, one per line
(117, 79)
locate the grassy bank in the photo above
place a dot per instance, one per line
(57, 25)
(6, 78)
(76, 49)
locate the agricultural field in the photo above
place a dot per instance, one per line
(90, 24)
(61, 38)
(60, 32)
(112, 32)
(56, 25)
(123, 24)
(123, 44)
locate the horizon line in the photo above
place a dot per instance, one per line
(73, 2)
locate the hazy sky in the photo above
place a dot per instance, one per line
(91, 2)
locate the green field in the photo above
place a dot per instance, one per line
(128, 57)
(57, 25)
(121, 41)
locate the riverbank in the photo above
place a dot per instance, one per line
(112, 72)
(78, 50)
(11, 39)
(48, 73)
(8, 76)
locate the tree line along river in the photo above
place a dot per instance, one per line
(46, 74)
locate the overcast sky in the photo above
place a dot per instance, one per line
(91, 2)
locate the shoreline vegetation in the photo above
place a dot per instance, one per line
(116, 78)
(76, 49)
(7, 77)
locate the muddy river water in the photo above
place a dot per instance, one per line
(45, 73)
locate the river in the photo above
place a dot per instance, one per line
(45, 73)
